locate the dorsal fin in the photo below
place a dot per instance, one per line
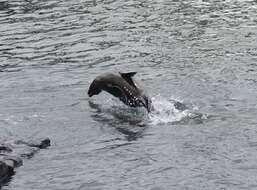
(128, 78)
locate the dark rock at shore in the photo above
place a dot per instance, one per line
(12, 154)
(4, 148)
(5, 172)
(12, 161)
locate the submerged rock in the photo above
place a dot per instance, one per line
(12, 154)
(41, 143)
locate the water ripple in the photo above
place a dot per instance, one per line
(203, 52)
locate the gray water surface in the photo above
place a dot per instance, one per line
(202, 53)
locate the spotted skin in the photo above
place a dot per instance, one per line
(123, 88)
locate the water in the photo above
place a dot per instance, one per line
(200, 53)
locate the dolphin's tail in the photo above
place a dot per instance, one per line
(147, 103)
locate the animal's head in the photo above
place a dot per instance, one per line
(94, 88)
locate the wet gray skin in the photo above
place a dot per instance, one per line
(122, 86)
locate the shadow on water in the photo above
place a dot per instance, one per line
(124, 121)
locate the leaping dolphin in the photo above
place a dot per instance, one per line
(122, 86)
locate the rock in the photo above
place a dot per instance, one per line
(12, 161)
(4, 148)
(13, 152)
(41, 143)
(5, 172)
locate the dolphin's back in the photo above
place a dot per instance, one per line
(123, 87)
(112, 82)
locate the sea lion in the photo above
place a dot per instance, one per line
(122, 86)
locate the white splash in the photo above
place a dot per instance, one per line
(165, 111)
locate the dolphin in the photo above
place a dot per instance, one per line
(122, 86)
